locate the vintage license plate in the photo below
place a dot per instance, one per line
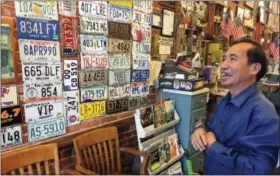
(11, 115)
(117, 77)
(119, 46)
(37, 9)
(93, 8)
(137, 102)
(119, 105)
(5, 36)
(41, 71)
(69, 44)
(9, 95)
(94, 61)
(125, 3)
(119, 14)
(144, 29)
(36, 92)
(142, 17)
(119, 91)
(119, 30)
(94, 44)
(141, 61)
(146, 6)
(67, 8)
(143, 47)
(11, 136)
(90, 94)
(39, 50)
(93, 77)
(119, 61)
(139, 88)
(37, 29)
(46, 128)
(41, 110)
(70, 75)
(92, 110)
(140, 75)
(91, 25)
(71, 107)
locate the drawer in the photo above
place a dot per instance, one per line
(197, 161)
(198, 119)
(199, 100)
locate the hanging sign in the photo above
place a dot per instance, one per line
(11, 115)
(96, 9)
(11, 136)
(165, 45)
(143, 47)
(67, 8)
(140, 75)
(118, 105)
(119, 14)
(94, 93)
(117, 77)
(144, 29)
(119, 61)
(69, 44)
(119, 30)
(94, 44)
(119, 46)
(94, 61)
(9, 95)
(70, 75)
(93, 77)
(141, 61)
(71, 107)
(92, 110)
(119, 91)
(139, 88)
(142, 17)
(91, 25)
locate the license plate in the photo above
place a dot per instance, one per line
(68, 27)
(92, 110)
(70, 75)
(46, 128)
(94, 93)
(94, 61)
(5, 36)
(94, 44)
(93, 77)
(144, 29)
(142, 17)
(137, 102)
(11, 136)
(140, 88)
(91, 25)
(119, 30)
(37, 29)
(143, 47)
(71, 107)
(36, 92)
(41, 110)
(146, 6)
(117, 77)
(93, 8)
(39, 50)
(125, 3)
(141, 61)
(140, 75)
(41, 71)
(119, 14)
(117, 91)
(117, 106)
(119, 46)
(119, 61)
(37, 9)
(9, 95)
(67, 8)
(11, 115)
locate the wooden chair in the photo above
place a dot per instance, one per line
(98, 152)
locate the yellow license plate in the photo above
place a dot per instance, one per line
(92, 110)
(125, 3)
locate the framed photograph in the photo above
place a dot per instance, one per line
(157, 20)
(168, 23)
(240, 14)
(263, 15)
(248, 18)
(201, 10)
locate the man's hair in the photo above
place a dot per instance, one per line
(255, 55)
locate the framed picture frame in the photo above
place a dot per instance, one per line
(248, 18)
(157, 20)
(263, 15)
(168, 23)
(201, 9)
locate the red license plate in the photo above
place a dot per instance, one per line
(69, 35)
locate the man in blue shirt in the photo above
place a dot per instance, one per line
(243, 134)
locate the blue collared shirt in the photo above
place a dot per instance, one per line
(247, 133)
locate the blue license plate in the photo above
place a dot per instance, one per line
(140, 75)
(37, 29)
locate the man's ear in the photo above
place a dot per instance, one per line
(256, 67)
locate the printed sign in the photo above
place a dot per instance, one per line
(11, 115)
(90, 94)
(119, 14)
(117, 77)
(94, 61)
(67, 8)
(39, 50)
(41, 110)
(91, 25)
(46, 128)
(92, 110)
(119, 30)
(141, 61)
(119, 91)
(146, 6)
(93, 8)
(142, 17)
(11, 136)
(94, 44)
(117, 106)
(137, 102)
(37, 29)
(5, 36)
(144, 29)
(119, 46)
(140, 75)
(143, 47)
(41, 71)
(69, 35)
(93, 77)
(125, 3)
(71, 107)
(37, 9)
(119, 61)
(139, 88)
(70, 75)
(165, 45)
(9, 95)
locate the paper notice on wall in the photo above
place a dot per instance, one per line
(165, 45)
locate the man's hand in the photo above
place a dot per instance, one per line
(210, 138)
(199, 140)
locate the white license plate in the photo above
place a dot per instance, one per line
(146, 6)
(70, 75)
(94, 61)
(39, 50)
(93, 77)
(37, 9)
(67, 8)
(144, 29)
(93, 8)
(36, 92)
(142, 17)
(41, 71)
(141, 61)
(143, 47)
(140, 88)
(94, 93)
(71, 107)
(40, 110)
(94, 44)
(91, 25)
(116, 92)
(11, 136)
(46, 128)
(119, 46)
(119, 14)
(9, 95)
(119, 61)
(117, 77)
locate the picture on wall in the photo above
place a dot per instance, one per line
(263, 15)
(168, 22)
(201, 10)
(248, 18)
(7, 65)
(250, 3)
(240, 14)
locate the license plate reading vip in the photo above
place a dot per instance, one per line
(119, 46)
(39, 50)
(146, 6)
(117, 106)
(93, 77)
(70, 75)
(94, 61)
(67, 8)
(93, 8)
(119, 61)
(141, 61)
(145, 29)
(94, 43)
(37, 29)
(121, 91)
(142, 17)
(92, 110)
(140, 88)
(140, 75)
(11, 136)
(41, 71)
(94, 93)
(68, 35)
(143, 47)
(39, 9)
(71, 107)
(46, 128)
(117, 77)
(119, 14)
(91, 25)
